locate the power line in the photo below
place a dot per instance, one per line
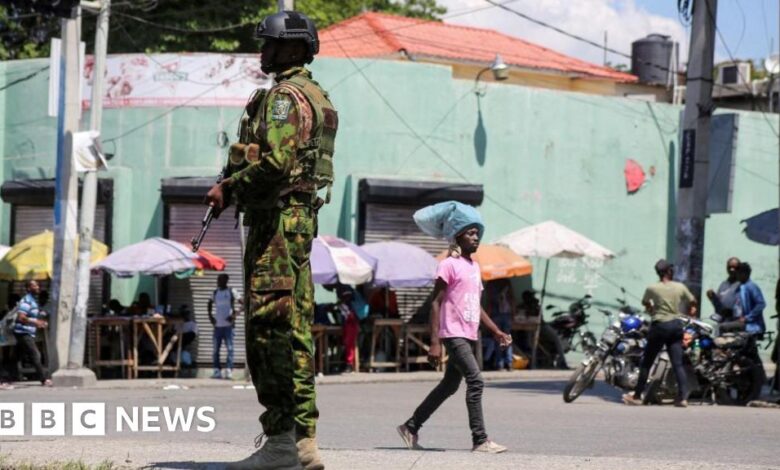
(577, 37)
(153, 59)
(422, 140)
(167, 112)
(185, 30)
(241, 25)
(455, 170)
(601, 46)
(742, 77)
(23, 79)
(742, 33)
(769, 41)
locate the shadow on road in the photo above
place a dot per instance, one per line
(425, 449)
(187, 465)
(555, 387)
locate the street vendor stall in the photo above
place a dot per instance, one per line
(161, 333)
(549, 240)
(400, 265)
(337, 261)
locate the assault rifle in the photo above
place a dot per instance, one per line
(211, 214)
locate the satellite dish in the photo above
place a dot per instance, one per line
(772, 64)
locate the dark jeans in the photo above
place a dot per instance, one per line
(499, 358)
(462, 363)
(26, 347)
(669, 334)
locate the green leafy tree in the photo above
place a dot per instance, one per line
(24, 34)
(183, 25)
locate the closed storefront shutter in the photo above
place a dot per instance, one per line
(394, 222)
(32, 220)
(223, 240)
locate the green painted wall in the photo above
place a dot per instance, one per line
(540, 155)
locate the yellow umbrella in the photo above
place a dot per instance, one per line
(32, 258)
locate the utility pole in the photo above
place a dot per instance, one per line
(66, 193)
(285, 5)
(694, 161)
(76, 374)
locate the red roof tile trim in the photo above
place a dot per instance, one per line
(382, 35)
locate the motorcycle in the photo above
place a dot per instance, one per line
(725, 368)
(618, 352)
(571, 326)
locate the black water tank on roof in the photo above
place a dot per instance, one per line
(650, 58)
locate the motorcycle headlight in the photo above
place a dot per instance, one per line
(609, 337)
(616, 324)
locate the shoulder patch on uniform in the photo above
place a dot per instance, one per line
(281, 108)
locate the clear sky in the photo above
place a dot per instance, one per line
(747, 26)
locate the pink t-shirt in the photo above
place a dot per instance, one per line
(460, 310)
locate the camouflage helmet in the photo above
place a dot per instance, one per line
(289, 25)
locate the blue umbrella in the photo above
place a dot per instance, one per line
(762, 228)
(401, 265)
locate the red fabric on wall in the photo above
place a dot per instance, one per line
(635, 176)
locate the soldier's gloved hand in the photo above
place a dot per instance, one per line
(216, 197)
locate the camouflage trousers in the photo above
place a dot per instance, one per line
(280, 310)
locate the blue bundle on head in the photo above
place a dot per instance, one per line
(448, 219)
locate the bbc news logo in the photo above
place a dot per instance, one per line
(89, 419)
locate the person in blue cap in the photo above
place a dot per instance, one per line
(455, 318)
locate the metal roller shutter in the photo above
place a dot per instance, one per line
(223, 239)
(31, 220)
(394, 222)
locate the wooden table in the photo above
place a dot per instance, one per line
(154, 329)
(321, 335)
(378, 327)
(420, 335)
(126, 358)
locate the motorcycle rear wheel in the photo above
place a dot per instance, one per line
(745, 389)
(580, 380)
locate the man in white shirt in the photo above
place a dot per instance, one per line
(224, 299)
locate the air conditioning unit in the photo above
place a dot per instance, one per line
(733, 73)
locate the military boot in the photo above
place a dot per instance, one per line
(309, 454)
(278, 453)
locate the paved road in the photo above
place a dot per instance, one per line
(358, 420)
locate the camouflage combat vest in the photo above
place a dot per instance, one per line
(314, 160)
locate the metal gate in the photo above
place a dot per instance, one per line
(223, 240)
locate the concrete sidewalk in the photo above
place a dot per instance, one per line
(361, 378)
(335, 379)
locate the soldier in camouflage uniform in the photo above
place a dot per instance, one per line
(284, 156)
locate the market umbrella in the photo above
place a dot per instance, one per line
(762, 228)
(33, 258)
(208, 261)
(157, 257)
(552, 240)
(334, 260)
(401, 265)
(498, 262)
